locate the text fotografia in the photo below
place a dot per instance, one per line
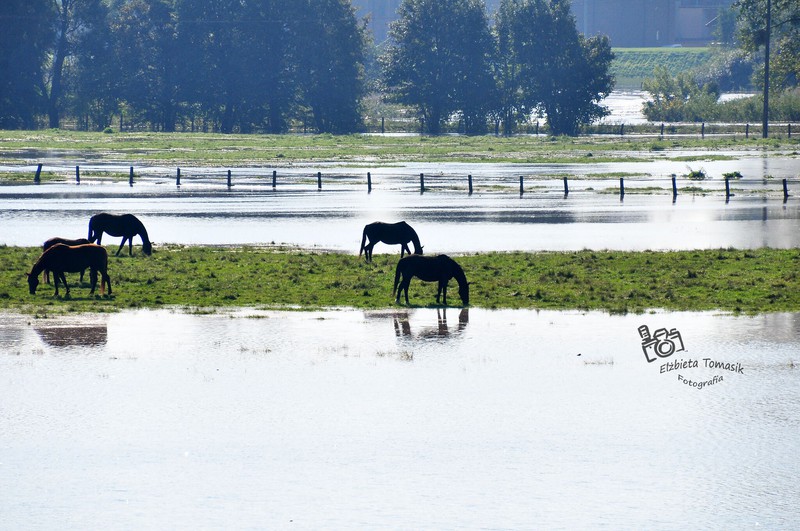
(701, 384)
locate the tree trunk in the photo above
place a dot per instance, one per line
(58, 67)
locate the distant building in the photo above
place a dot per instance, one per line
(638, 23)
(628, 23)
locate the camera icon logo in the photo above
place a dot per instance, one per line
(662, 344)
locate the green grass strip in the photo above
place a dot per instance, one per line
(201, 277)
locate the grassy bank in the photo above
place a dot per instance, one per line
(631, 66)
(212, 277)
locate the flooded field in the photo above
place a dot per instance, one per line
(496, 216)
(398, 419)
(406, 418)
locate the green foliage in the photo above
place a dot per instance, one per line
(765, 280)
(558, 72)
(24, 40)
(679, 98)
(438, 61)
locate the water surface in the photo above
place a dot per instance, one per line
(417, 418)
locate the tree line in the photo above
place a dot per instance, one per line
(266, 65)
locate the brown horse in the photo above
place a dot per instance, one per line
(52, 241)
(430, 269)
(125, 225)
(62, 259)
(391, 233)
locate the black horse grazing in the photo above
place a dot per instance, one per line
(62, 259)
(391, 233)
(430, 269)
(52, 241)
(125, 225)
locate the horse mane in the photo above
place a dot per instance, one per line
(39, 266)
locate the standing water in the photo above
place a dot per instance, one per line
(417, 418)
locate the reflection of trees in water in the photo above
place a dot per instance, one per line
(402, 326)
(74, 336)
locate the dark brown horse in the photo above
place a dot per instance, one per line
(125, 225)
(62, 259)
(430, 269)
(52, 241)
(391, 233)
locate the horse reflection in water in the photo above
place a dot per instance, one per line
(74, 336)
(402, 326)
(391, 233)
(430, 269)
(125, 225)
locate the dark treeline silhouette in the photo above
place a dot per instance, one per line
(277, 65)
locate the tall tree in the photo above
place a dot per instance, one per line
(25, 36)
(438, 59)
(148, 57)
(561, 74)
(332, 65)
(77, 23)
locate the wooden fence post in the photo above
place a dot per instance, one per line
(785, 191)
(130, 177)
(566, 187)
(522, 184)
(727, 189)
(229, 178)
(274, 178)
(747, 131)
(319, 180)
(469, 182)
(422, 183)
(369, 181)
(674, 188)
(703, 130)
(38, 177)
(77, 175)
(178, 178)
(662, 129)
(621, 188)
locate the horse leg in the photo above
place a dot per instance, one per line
(121, 245)
(107, 280)
(130, 246)
(404, 285)
(93, 279)
(368, 251)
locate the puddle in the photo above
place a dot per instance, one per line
(417, 418)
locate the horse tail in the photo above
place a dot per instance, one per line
(363, 242)
(397, 273)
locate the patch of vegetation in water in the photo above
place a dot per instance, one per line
(204, 278)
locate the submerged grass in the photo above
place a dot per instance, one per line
(201, 278)
(209, 149)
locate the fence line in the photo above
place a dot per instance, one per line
(470, 186)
